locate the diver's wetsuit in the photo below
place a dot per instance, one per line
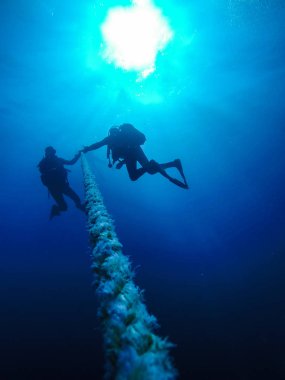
(54, 177)
(132, 155)
(57, 193)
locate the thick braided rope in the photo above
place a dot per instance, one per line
(132, 350)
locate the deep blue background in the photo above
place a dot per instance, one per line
(211, 259)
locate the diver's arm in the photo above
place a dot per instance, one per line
(95, 146)
(71, 162)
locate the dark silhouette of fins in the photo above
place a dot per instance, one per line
(178, 165)
(179, 183)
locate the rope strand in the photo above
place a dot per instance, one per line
(132, 350)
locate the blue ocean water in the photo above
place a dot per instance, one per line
(210, 259)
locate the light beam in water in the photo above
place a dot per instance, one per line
(134, 35)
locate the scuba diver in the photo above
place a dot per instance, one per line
(124, 145)
(54, 177)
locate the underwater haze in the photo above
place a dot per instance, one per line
(211, 258)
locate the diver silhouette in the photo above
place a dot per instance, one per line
(124, 145)
(54, 177)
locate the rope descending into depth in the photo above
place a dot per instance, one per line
(133, 351)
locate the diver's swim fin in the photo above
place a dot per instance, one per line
(179, 183)
(178, 166)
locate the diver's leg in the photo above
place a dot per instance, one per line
(133, 171)
(168, 165)
(72, 195)
(58, 197)
(155, 167)
(60, 202)
(151, 167)
(141, 157)
(136, 156)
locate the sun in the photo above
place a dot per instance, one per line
(133, 36)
